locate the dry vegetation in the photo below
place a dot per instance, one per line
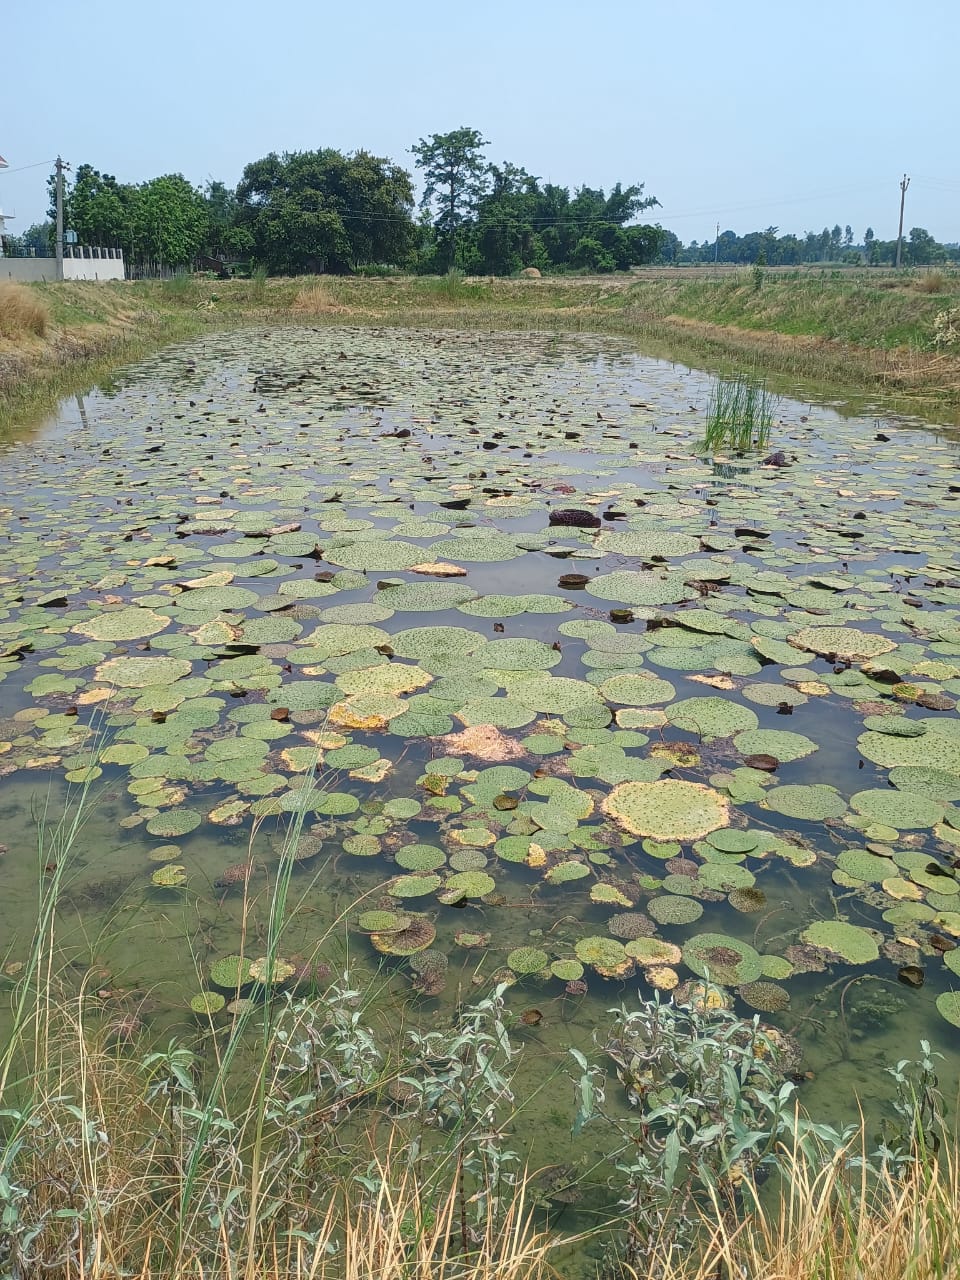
(123, 1206)
(313, 300)
(23, 314)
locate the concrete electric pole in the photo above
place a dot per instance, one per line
(60, 166)
(903, 195)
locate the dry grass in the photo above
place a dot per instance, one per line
(831, 1221)
(931, 282)
(315, 299)
(22, 312)
(111, 1208)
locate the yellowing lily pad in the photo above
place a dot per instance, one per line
(667, 810)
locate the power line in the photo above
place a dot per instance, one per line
(40, 164)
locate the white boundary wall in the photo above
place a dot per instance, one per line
(100, 266)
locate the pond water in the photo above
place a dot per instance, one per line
(315, 570)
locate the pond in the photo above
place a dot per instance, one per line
(702, 724)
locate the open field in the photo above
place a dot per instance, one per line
(856, 331)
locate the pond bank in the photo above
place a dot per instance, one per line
(865, 331)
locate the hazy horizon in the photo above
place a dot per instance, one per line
(737, 115)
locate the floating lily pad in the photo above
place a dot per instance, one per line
(948, 1006)
(809, 803)
(419, 857)
(723, 959)
(175, 822)
(416, 936)
(169, 876)
(667, 810)
(526, 960)
(671, 909)
(783, 745)
(935, 784)
(413, 886)
(842, 642)
(207, 1002)
(606, 955)
(901, 810)
(131, 623)
(849, 941)
(379, 921)
(712, 717)
(767, 997)
(230, 972)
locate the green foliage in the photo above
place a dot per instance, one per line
(708, 1102)
(455, 179)
(315, 211)
(739, 416)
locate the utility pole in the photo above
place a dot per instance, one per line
(903, 195)
(716, 245)
(59, 167)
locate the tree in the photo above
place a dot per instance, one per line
(37, 238)
(456, 177)
(326, 211)
(100, 209)
(170, 221)
(225, 239)
(923, 248)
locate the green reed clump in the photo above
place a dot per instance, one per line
(739, 415)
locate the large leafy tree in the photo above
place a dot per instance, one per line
(170, 221)
(99, 208)
(326, 211)
(456, 177)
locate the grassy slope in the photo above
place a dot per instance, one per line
(856, 329)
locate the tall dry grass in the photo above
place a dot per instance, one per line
(931, 282)
(22, 312)
(832, 1220)
(314, 299)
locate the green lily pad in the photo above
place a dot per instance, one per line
(902, 810)
(671, 909)
(230, 972)
(849, 941)
(175, 822)
(782, 744)
(606, 955)
(524, 960)
(712, 717)
(130, 623)
(948, 1006)
(842, 642)
(207, 1002)
(812, 803)
(935, 784)
(413, 886)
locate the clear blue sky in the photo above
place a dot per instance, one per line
(742, 112)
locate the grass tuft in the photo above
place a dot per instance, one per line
(931, 282)
(314, 300)
(739, 416)
(22, 312)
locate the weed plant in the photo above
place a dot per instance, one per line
(739, 416)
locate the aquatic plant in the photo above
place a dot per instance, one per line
(739, 416)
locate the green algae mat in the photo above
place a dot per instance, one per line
(566, 703)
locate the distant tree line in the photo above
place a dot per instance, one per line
(835, 244)
(330, 211)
